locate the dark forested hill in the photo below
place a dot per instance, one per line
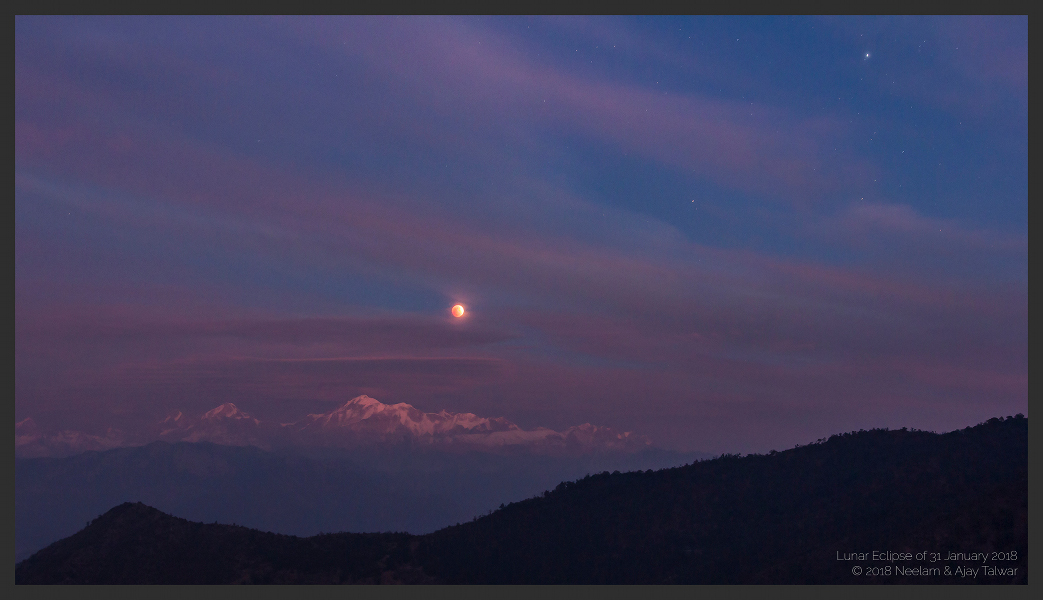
(788, 517)
(134, 543)
(296, 491)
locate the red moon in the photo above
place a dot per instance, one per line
(458, 311)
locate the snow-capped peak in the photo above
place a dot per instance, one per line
(225, 411)
(26, 427)
(364, 400)
(366, 415)
(225, 424)
(175, 417)
(363, 406)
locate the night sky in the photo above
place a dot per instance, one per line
(726, 234)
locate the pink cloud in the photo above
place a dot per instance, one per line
(862, 218)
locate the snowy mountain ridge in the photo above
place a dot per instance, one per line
(360, 421)
(365, 413)
(31, 442)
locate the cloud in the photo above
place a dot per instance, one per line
(332, 378)
(380, 334)
(480, 81)
(901, 219)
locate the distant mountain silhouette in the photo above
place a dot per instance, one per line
(786, 517)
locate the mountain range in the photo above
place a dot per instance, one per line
(867, 507)
(31, 441)
(360, 421)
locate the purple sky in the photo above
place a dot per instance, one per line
(726, 234)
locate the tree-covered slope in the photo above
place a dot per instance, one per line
(767, 518)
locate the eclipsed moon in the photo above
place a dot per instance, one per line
(458, 311)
